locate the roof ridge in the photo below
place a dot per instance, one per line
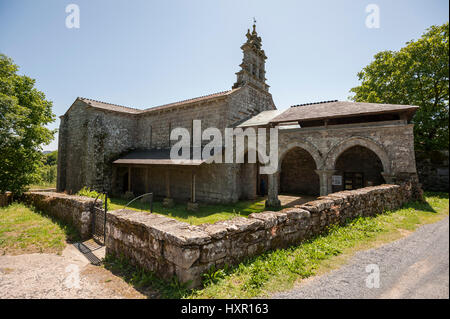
(191, 99)
(98, 101)
(313, 103)
(163, 105)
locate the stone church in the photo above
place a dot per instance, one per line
(322, 147)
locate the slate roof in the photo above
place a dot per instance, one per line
(336, 109)
(131, 110)
(262, 118)
(153, 157)
(160, 157)
(109, 106)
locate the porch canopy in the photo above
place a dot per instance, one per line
(142, 158)
(155, 157)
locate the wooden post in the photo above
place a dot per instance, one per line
(129, 178)
(168, 202)
(193, 187)
(146, 180)
(167, 183)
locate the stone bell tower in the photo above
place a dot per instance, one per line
(253, 63)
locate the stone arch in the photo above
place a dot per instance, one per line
(312, 150)
(337, 150)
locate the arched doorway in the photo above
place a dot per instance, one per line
(359, 167)
(297, 175)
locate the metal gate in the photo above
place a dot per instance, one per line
(99, 221)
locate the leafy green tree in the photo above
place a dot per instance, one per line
(24, 112)
(417, 74)
(51, 158)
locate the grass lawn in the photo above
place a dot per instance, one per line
(279, 270)
(205, 213)
(42, 186)
(25, 230)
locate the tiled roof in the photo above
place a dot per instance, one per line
(262, 118)
(109, 106)
(336, 109)
(131, 110)
(193, 100)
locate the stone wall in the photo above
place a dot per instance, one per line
(75, 210)
(89, 139)
(432, 168)
(172, 248)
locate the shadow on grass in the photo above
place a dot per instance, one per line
(144, 281)
(241, 208)
(425, 205)
(72, 234)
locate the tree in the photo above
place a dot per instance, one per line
(417, 74)
(24, 112)
(51, 158)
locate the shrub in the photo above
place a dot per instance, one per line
(86, 191)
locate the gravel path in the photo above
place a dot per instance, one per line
(416, 266)
(54, 276)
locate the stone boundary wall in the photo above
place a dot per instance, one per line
(169, 247)
(76, 210)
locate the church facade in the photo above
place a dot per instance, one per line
(322, 147)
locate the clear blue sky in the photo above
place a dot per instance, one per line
(147, 53)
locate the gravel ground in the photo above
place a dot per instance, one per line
(416, 266)
(52, 276)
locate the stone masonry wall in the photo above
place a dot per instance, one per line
(75, 210)
(172, 248)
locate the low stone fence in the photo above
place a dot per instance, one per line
(169, 247)
(76, 210)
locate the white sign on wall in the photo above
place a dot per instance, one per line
(336, 180)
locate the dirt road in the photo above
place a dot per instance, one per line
(416, 266)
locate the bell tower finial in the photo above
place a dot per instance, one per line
(253, 63)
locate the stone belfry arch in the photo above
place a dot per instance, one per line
(253, 66)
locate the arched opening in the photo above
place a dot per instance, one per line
(358, 167)
(297, 175)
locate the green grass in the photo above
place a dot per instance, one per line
(26, 230)
(42, 185)
(205, 213)
(280, 269)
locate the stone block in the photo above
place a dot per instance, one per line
(168, 202)
(184, 257)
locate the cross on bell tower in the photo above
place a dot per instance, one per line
(253, 63)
